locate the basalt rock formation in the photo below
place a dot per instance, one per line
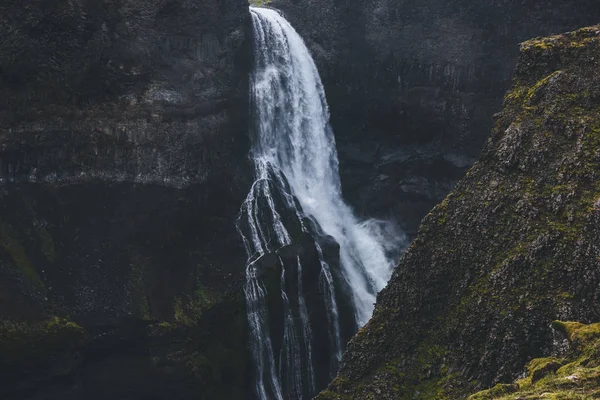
(413, 85)
(123, 164)
(514, 247)
(123, 142)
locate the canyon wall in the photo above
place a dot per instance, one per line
(123, 143)
(514, 246)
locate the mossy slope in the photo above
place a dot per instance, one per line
(515, 246)
(576, 376)
(120, 260)
(192, 357)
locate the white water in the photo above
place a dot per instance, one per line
(294, 136)
(295, 144)
(289, 380)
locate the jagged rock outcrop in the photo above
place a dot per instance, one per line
(412, 87)
(574, 375)
(515, 246)
(123, 142)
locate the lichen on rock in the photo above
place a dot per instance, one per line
(576, 376)
(515, 246)
(52, 345)
(123, 143)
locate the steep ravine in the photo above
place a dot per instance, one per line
(123, 162)
(514, 247)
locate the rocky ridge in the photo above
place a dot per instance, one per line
(573, 376)
(512, 248)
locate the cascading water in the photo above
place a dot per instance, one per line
(297, 194)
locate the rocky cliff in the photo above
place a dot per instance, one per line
(512, 248)
(413, 85)
(573, 375)
(122, 167)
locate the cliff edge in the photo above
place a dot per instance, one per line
(514, 247)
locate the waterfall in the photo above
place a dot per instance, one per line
(297, 195)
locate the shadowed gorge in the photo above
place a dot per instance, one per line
(203, 199)
(297, 194)
(573, 375)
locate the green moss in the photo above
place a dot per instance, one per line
(441, 211)
(10, 244)
(496, 391)
(22, 342)
(259, 3)
(564, 296)
(577, 376)
(577, 333)
(138, 290)
(541, 367)
(522, 95)
(178, 312)
(188, 309)
(540, 44)
(329, 395)
(214, 362)
(160, 329)
(575, 40)
(215, 356)
(47, 247)
(497, 251)
(540, 84)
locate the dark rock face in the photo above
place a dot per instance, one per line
(412, 87)
(299, 304)
(135, 91)
(572, 376)
(123, 149)
(514, 247)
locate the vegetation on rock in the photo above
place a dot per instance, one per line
(515, 246)
(576, 376)
(259, 3)
(412, 86)
(13, 247)
(123, 142)
(38, 342)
